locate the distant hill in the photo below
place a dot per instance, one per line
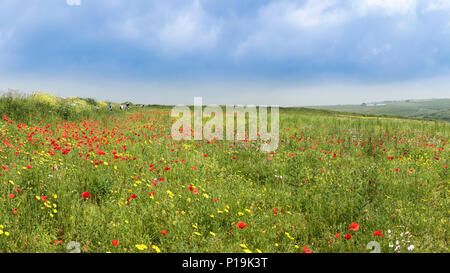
(427, 109)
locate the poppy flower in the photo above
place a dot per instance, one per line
(306, 250)
(163, 232)
(241, 225)
(348, 236)
(115, 242)
(354, 226)
(337, 235)
(132, 196)
(12, 196)
(378, 233)
(86, 195)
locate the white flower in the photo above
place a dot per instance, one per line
(411, 247)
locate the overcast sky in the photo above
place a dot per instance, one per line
(228, 51)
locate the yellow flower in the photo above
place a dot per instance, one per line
(197, 233)
(141, 247)
(156, 249)
(212, 233)
(6, 233)
(247, 251)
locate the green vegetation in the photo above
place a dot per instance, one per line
(423, 109)
(117, 182)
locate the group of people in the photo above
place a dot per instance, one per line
(122, 107)
(127, 106)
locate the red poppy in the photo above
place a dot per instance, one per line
(354, 226)
(11, 196)
(337, 235)
(191, 188)
(378, 233)
(132, 196)
(163, 232)
(306, 250)
(348, 236)
(241, 225)
(86, 195)
(115, 242)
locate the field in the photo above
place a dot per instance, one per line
(117, 182)
(427, 109)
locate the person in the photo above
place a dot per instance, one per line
(121, 107)
(110, 107)
(128, 106)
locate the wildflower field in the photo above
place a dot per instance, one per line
(117, 182)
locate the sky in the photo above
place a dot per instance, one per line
(283, 52)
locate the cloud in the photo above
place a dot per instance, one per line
(308, 39)
(311, 14)
(73, 2)
(437, 5)
(390, 7)
(180, 27)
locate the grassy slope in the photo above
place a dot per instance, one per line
(429, 109)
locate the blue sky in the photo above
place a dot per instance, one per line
(228, 51)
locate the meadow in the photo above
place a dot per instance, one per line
(419, 109)
(117, 182)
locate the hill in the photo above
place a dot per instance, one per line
(424, 109)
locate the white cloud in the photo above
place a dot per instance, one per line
(312, 14)
(438, 5)
(167, 27)
(189, 29)
(73, 2)
(390, 7)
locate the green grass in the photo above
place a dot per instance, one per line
(423, 109)
(330, 170)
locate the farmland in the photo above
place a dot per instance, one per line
(117, 182)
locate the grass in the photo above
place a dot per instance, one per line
(419, 109)
(331, 170)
